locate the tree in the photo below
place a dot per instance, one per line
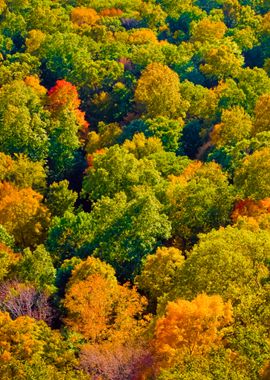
(23, 215)
(254, 83)
(118, 170)
(236, 125)
(233, 262)
(8, 261)
(19, 299)
(30, 348)
(63, 95)
(143, 36)
(129, 361)
(84, 16)
(60, 198)
(219, 363)
(34, 40)
(202, 102)
(222, 62)
(64, 154)
(23, 121)
(107, 136)
(207, 30)
(191, 327)
(262, 114)
(251, 209)
(252, 177)
(23, 172)
(67, 123)
(169, 131)
(142, 147)
(158, 91)
(89, 267)
(37, 268)
(168, 163)
(100, 309)
(200, 199)
(158, 272)
(230, 262)
(118, 230)
(6, 238)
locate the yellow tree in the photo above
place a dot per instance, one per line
(8, 261)
(191, 328)
(159, 271)
(102, 310)
(143, 36)
(22, 172)
(235, 125)
(208, 30)
(252, 178)
(29, 349)
(84, 16)
(262, 114)
(222, 62)
(158, 91)
(22, 214)
(142, 146)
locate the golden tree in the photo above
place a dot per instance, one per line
(84, 16)
(22, 214)
(158, 91)
(102, 310)
(191, 328)
(262, 114)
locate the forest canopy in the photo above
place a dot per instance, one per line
(134, 189)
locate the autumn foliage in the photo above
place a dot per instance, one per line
(64, 96)
(191, 327)
(251, 208)
(84, 16)
(134, 189)
(111, 12)
(100, 309)
(23, 214)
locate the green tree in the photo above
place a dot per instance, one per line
(118, 230)
(230, 261)
(23, 121)
(60, 198)
(37, 268)
(169, 131)
(118, 170)
(252, 177)
(200, 199)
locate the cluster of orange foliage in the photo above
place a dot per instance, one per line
(111, 12)
(65, 96)
(251, 208)
(99, 308)
(192, 328)
(84, 16)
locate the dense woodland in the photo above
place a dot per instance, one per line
(134, 189)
